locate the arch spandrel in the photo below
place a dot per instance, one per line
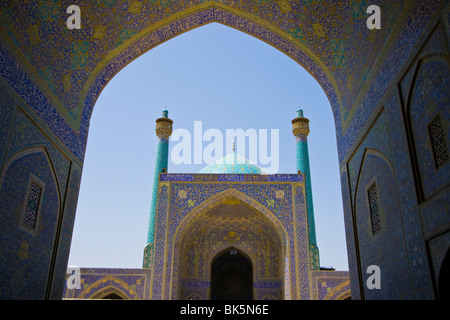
(329, 39)
(286, 41)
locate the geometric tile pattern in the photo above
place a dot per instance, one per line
(98, 283)
(373, 205)
(48, 96)
(353, 64)
(32, 206)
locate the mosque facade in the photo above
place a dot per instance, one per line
(227, 232)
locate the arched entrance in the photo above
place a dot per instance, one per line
(58, 88)
(231, 276)
(226, 248)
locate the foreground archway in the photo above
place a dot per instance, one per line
(191, 65)
(228, 240)
(47, 100)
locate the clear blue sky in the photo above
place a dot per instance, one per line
(226, 79)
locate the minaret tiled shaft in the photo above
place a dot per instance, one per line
(300, 129)
(163, 132)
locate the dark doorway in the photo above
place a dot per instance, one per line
(113, 296)
(231, 277)
(444, 279)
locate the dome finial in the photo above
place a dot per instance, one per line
(234, 147)
(299, 112)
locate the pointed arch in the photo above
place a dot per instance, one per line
(107, 285)
(195, 17)
(367, 152)
(110, 291)
(232, 275)
(220, 252)
(32, 151)
(232, 236)
(422, 108)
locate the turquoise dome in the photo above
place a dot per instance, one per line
(232, 163)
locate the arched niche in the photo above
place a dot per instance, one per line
(231, 276)
(30, 205)
(228, 223)
(428, 117)
(378, 224)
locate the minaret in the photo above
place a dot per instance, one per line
(163, 132)
(300, 129)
